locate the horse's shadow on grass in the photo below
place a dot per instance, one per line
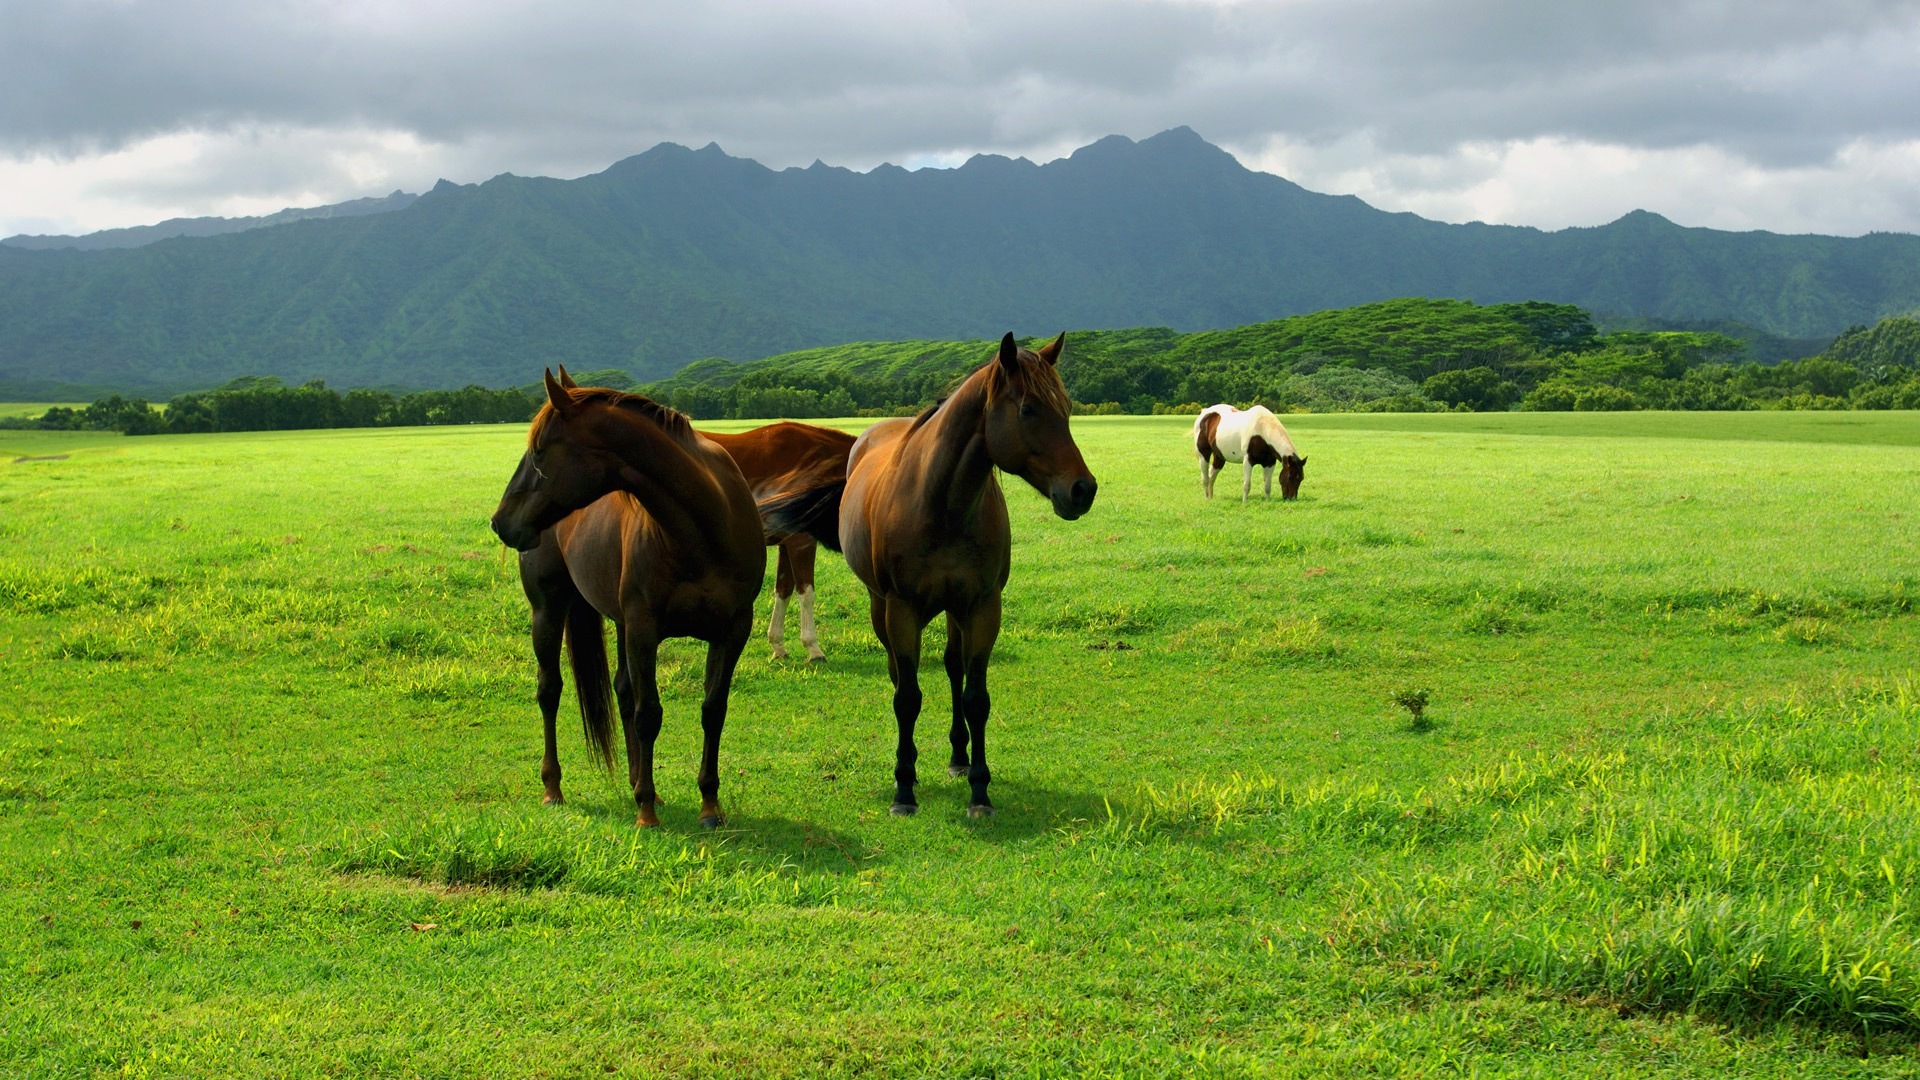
(809, 845)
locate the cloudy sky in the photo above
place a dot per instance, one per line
(1796, 116)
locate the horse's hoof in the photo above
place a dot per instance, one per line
(713, 821)
(553, 798)
(956, 770)
(779, 654)
(816, 657)
(646, 819)
(906, 809)
(980, 810)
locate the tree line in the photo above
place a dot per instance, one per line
(264, 403)
(1414, 355)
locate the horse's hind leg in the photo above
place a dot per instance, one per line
(1246, 478)
(623, 697)
(956, 676)
(782, 588)
(800, 549)
(722, 657)
(899, 628)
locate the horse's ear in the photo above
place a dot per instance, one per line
(557, 396)
(1050, 352)
(1009, 353)
(566, 380)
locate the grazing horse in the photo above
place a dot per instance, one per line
(1252, 437)
(924, 526)
(665, 542)
(778, 459)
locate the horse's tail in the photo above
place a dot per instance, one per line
(587, 652)
(814, 511)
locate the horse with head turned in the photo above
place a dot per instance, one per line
(1251, 437)
(923, 524)
(620, 509)
(779, 459)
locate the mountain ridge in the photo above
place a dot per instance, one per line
(675, 254)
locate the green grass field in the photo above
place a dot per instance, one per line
(270, 805)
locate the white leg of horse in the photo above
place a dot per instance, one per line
(777, 627)
(1269, 471)
(1246, 480)
(1206, 477)
(808, 636)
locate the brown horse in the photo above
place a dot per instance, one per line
(666, 543)
(924, 525)
(778, 459)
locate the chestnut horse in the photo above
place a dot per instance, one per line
(666, 543)
(924, 526)
(778, 459)
(1251, 437)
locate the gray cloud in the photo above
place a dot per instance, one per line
(1778, 82)
(567, 87)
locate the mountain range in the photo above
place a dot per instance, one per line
(680, 254)
(142, 235)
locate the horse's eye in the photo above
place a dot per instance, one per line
(1029, 411)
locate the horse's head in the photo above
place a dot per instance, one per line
(566, 467)
(1293, 469)
(1026, 426)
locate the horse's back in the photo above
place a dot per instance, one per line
(772, 454)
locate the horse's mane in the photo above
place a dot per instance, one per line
(671, 422)
(1034, 378)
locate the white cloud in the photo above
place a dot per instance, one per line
(1553, 183)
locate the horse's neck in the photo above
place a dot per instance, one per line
(955, 466)
(673, 484)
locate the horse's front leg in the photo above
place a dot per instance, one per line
(956, 676)
(978, 631)
(643, 658)
(722, 657)
(549, 627)
(902, 639)
(1268, 469)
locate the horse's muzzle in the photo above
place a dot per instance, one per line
(516, 536)
(1075, 500)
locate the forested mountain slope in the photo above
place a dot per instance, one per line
(679, 254)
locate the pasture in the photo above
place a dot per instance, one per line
(270, 803)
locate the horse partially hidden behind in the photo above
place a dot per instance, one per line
(924, 525)
(776, 460)
(1251, 437)
(666, 543)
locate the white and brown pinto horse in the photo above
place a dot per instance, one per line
(1251, 437)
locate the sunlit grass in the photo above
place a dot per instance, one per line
(269, 799)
